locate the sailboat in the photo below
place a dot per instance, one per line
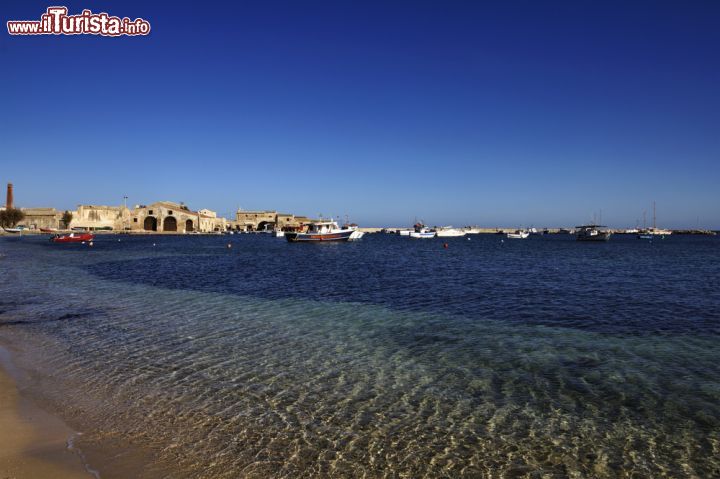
(648, 233)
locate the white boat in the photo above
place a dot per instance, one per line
(422, 231)
(404, 232)
(324, 231)
(356, 233)
(279, 234)
(13, 230)
(518, 235)
(422, 234)
(449, 232)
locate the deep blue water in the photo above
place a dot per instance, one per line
(385, 357)
(624, 286)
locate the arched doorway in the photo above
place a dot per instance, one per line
(170, 224)
(150, 223)
(189, 226)
(265, 225)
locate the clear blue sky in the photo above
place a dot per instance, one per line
(457, 112)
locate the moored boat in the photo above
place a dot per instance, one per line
(73, 238)
(592, 233)
(356, 234)
(422, 232)
(323, 231)
(13, 230)
(654, 232)
(518, 234)
(48, 230)
(449, 232)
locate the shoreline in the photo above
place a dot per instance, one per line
(34, 443)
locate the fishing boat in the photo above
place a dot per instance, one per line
(449, 232)
(518, 234)
(404, 232)
(73, 238)
(323, 231)
(592, 233)
(422, 232)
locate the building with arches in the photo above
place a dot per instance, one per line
(165, 217)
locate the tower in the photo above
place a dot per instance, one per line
(9, 200)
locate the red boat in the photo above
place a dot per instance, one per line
(73, 238)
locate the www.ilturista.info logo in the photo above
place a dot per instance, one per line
(56, 21)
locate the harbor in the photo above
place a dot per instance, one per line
(360, 240)
(198, 359)
(167, 217)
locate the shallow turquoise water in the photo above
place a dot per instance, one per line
(542, 358)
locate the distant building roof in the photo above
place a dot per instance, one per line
(101, 206)
(39, 211)
(171, 205)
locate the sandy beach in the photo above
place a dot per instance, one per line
(33, 443)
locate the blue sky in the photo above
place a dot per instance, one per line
(491, 113)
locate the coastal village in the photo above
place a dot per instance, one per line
(157, 217)
(177, 218)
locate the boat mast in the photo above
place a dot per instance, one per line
(654, 226)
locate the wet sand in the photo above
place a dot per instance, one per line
(33, 443)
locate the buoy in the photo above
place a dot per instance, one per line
(90, 243)
(445, 245)
(153, 244)
(229, 245)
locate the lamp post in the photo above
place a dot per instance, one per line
(123, 213)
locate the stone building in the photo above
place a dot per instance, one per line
(93, 217)
(255, 220)
(266, 220)
(164, 216)
(209, 221)
(36, 218)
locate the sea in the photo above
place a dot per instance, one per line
(479, 357)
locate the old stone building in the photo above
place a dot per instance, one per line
(209, 221)
(266, 220)
(93, 217)
(164, 216)
(37, 218)
(255, 220)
